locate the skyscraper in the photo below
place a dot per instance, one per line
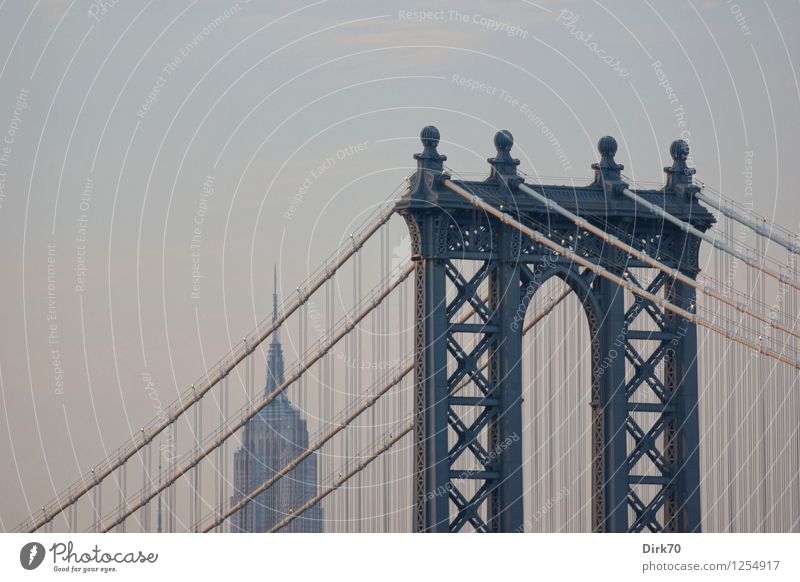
(272, 439)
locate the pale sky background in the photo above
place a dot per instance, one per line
(269, 94)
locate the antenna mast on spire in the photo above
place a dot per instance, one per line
(275, 336)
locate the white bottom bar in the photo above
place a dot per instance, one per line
(406, 557)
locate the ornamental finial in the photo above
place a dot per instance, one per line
(607, 170)
(430, 158)
(679, 175)
(503, 164)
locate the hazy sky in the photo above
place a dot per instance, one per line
(123, 123)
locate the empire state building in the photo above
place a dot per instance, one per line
(272, 439)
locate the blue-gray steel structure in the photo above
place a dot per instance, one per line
(645, 435)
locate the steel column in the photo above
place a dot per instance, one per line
(613, 407)
(433, 321)
(683, 513)
(505, 508)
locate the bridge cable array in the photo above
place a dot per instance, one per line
(253, 407)
(728, 207)
(644, 257)
(657, 210)
(212, 378)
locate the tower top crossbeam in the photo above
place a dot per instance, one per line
(601, 200)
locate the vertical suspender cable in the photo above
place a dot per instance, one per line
(97, 509)
(121, 495)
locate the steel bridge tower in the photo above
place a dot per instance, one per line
(468, 422)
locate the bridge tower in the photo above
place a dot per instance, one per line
(476, 276)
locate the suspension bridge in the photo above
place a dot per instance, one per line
(605, 357)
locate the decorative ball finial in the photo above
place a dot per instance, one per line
(503, 164)
(503, 140)
(679, 150)
(429, 158)
(429, 136)
(679, 175)
(607, 146)
(607, 171)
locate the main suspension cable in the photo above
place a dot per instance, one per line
(644, 257)
(205, 384)
(252, 408)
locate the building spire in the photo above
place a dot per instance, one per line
(275, 352)
(275, 336)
